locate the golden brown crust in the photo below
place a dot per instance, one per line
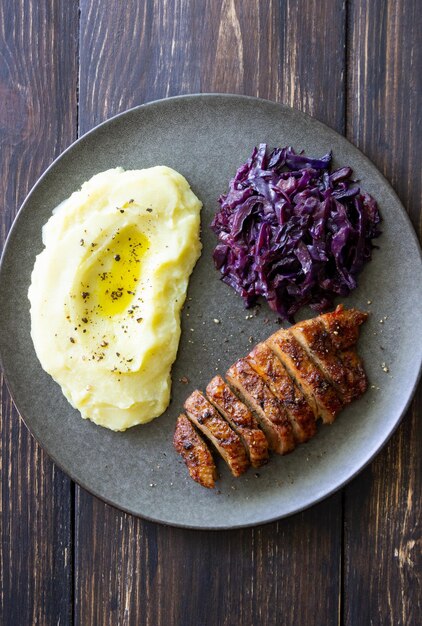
(354, 365)
(195, 453)
(318, 391)
(217, 430)
(309, 370)
(270, 368)
(241, 420)
(270, 414)
(315, 339)
(343, 326)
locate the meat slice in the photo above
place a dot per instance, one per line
(318, 391)
(269, 367)
(354, 365)
(217, 430)
(240, 419)
(297, 375)
(343, 326)
(270, 414)
(195, 453)
(315, 339)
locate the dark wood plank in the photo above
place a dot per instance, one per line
(134, 572)
(382, 583)
(38, 78)
(129, 571)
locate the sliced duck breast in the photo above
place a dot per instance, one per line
(317, 389)
(269, 367)
(195, 453)
(240, 419)
(209, 421)
(343, 325)
(315, 339)
(270, 414)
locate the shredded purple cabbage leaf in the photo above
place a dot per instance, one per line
(293, 232)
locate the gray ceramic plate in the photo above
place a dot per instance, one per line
(206, 137)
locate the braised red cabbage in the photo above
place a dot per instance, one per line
(293, 231)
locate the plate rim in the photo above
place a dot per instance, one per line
(206, 96)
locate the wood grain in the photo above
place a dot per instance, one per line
(137, 52)
(383, 541)
(38, 74)
(129, 571)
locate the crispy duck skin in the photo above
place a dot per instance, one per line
(343, 326)
(270, 414)
(195, 453)
(270, 368)
(315, 339)
(354, 365)
(217, 430)
(272, 397)
(240, 419)
(317, 390)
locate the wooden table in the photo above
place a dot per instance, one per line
(67, 557)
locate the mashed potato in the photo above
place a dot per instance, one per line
(107, 291)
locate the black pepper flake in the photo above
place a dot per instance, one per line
(149, 210)
(130, 201)
(71, 340)
(85, 320)
(139, 319)
(82, 242)
(85, 295)
(122, 210)
(117, 257)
